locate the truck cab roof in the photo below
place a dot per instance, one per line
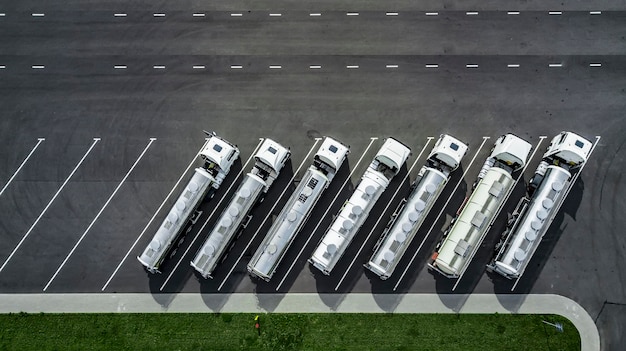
(332, 153)
(511, 150)
(272, 154)
(220, 152)
(393, 154)
(449, 151)
(569, 147)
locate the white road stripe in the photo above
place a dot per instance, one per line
(499, 209)
(352, 14)
(198, 15)
(275, 67)
(3, 66)
(513, 65)
(38, 14)
(158, 14)
(513, 13)
(432, 13)
(39, 141)
(30, 230)
(595, 65)
(432, 65)
(471, 13)
(325, 213)
(99, 213)
(243, 168)
(2, 14)
(315, 14)
(471, 65)
(391, 14)
(391, 66)
(158, 67)
(275, 14)
(199, 67)
(555, 65)
(406, 268)
(383, 213)
(154, 216)
(119, 15)
(352, 67)
(555, 13)
(595, 12)
(38, 67)
(269, 214)
(315, 67)
(236, 67)
(236, 15)
(120, 67)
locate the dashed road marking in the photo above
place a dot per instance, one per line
(245, 250)
(119, 15)
(2, 14)
(326, 213)
(391, 66)
(471, 65)
(391, 14)
(595, 65)
(30, 230)
(317, 14)
(198, 15)
(236, 15)
(275, 67)
(406, 268)
(315, 67)
(555, 65)
(38, 66)
(595, 12)
(120, 67)
(383, 213)
(236, 66)
(276, 14)
(193, 161)
(158, 67)
(39, 141)
(158, 14)
(555, 13)
(513, 13)
(3, 66)
(38, 14)
(513, 65)
(432, 65)
(352, 13)
(98, 215)
(432, 13)
(352, 66)
(471, 13)
(199, 67)
(243, 168)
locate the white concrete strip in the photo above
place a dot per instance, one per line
(391, 66)
(315, 14)
(276, 66)
(325, 213)
(198, 15)
(99, 213)
(432, 65)
(471, 13)
(236, 66)
(513, 13)
(499, 208)
(391, 14)
(30, 230)
(119, 15)
(198, 67)
(275, 14)
(38, 14)
(383, 214)
(38, 67)
(352, 14)
(432, 13)
(158, 14)
(158, 67)
(513, 65)
(555, 13)
(595, 65)
(193, 160)
(32, 151)
(595, 12)
(120, 67)
(315, 67)
(555, 65)
(236, 15)
(235, 181)
(471, 65)
(269, 214)
(352, 67)
(406, 268)
(310, 303)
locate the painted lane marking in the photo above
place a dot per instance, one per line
(119, 15)
(325, 213)
(352, 67)
(236, 67)
(432, 65)
(317, 140)
(158, 67)
(38, 67)
(30, 230)
(236, 15)
(555, 13)
(383, 213)
(352, 14)
(193, 160)
(555, 65)
(513, 13)
(595, 65)
(406, 268)
(391, 66)
(198, 15)
(471, 65)
(99, 213)
(595, 12)
(391, 14)
(158, 14)
(315, 67)
(513, 65)
(182, 258)
(39, 141)
(315, 14)
(38, 14)
(120, 67)
(275, 14)
(471, 13)
(198, 67)
(432, 13)
(276, 66)
(3, 66)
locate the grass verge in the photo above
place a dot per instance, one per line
(206, 331)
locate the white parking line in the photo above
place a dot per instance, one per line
(391, 14)
(595, 65)
(38, 14)
(383, 213)
(443, 208)
(471, 13)
(513, 65)
(3, 66)
(352, 67)
(236, 66)
(432, 65)
(555, 13)
(198, 15)
(555, 65)
(119, 15)
(315, 14)
(30, 230)
(325, 213)
(2, 14)
(199, 67)
(243, 168)
(276, 66)
(513, 13)
(315, 66)
(352, 14)
(158, 67)
(236, 15)
(432, 13)
(120, 67)
(39, 141)
(269, 214)
(275, 14)
(504, 201)
(38, 67)
(99, 213)
(158, 14)
(195, 157)
(595, 12)
(471, 65)
(391, 66)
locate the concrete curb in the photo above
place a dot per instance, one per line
(308, 303)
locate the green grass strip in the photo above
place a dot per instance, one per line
(227, 331)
